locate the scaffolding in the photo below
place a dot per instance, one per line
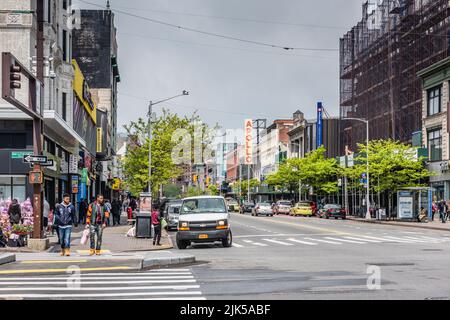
(379, 61)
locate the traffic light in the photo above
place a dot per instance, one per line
(15, 76)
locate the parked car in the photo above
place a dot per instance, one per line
(302, 209)
(263, 208)
(204, 219)
(173, 213)
(333, 211)
(233, 205)
(247, 207)
(283, 207)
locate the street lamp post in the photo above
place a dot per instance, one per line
(150, 111)
(368, 216)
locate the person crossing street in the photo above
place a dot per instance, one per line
(97, 215)
(65, 218)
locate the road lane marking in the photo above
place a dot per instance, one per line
(190, 298)
(51, 261)
(61, 270)
(102, 295)
(88, 251)
(255, 243)
(302, 242)
(361, 239)
(345, 240)
(382, 239)
(237, 245)
(422, 240)
(324, 241)
(123, 288)
(401, 239)
(278, 242)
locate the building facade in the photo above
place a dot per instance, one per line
(379, 61)
(435, 129)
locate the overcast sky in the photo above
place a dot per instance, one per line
(230, 81)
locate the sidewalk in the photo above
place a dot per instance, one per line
(434, 225)
(114, 240)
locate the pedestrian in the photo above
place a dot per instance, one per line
(434, 209)
(108, 208)
(442, 210)
(423, 215)
(133, 204)
(46, 213)
(97, 216)
(65, 218)
(116, 211)
(15, 212)
(83, 211)
(156, 222)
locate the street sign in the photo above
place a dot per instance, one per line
(35, 159)
(20, 154)
(49, 163)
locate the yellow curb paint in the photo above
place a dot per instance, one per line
(51, 261)
(62, 270)
(87, 251)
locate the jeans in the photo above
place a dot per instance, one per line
(64, 236)
(157, 229)
(443, 216)
(96, 231)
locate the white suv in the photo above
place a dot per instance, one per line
(204, 219)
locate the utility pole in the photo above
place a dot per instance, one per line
(248, 183)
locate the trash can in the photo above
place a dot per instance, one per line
(143, 225)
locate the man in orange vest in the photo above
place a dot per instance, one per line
(97, 216)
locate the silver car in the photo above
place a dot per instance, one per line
(263, 208)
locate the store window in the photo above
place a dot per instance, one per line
(435, 145)
(434, 101)
(13, 187)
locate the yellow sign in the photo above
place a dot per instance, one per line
(82, 91)
(99, 140)
(116, 184)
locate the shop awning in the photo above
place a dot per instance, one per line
(57, 129)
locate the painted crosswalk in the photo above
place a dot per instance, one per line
(162, 284)
(360, 239)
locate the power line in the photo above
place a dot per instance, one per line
(235, 18)
(212, 34)
(224, 47)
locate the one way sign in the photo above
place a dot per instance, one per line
(35, 159)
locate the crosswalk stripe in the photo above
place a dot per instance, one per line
(83, 282)
(278, 242)
(437, 239)
(401, 239)
(101, 295)
(303, 242)
(183, 287)
(382, 239)
(237, 245)
(324, 241)
(422, 240)
(345, 240)
(82, 277)
(361, 239)
(255, 243)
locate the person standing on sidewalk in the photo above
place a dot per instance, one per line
(156, 222)
(65, 218)
(97, 216)
(434, 209)
(14, 212)
(83, 211)
(443, 211)
(116, 211)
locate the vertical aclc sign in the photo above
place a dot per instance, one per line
(248, 142)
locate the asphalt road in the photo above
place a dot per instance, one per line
(286, 257)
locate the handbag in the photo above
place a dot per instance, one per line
(84, 237)
(163, 223)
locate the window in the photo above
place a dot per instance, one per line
(64, 106)
(434, 101)
(13, 140)
(14, 188)
(64, 44)
(49, 11)
(65, 4)
(435, 145)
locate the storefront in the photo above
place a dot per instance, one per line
(440, 182)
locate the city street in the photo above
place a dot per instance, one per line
(308, 258)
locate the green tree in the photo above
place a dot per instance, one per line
(392, 166)
(135, 163)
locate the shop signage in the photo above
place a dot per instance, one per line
(116, 184)
(145, 203)
(75, 181)
(84, 175)
(73, 163)
(83, 93)
(99, 140)
(445, 167)
(248, 157)
(20, 154)
(87, 95)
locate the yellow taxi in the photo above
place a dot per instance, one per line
(302, 209)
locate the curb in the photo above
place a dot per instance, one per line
(163, 262)
(7, 258)
(399, 225)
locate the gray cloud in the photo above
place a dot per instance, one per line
(156, 61)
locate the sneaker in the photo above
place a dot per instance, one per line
(98, 252)
(91, 252)
(63, 252)
(68, 252)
